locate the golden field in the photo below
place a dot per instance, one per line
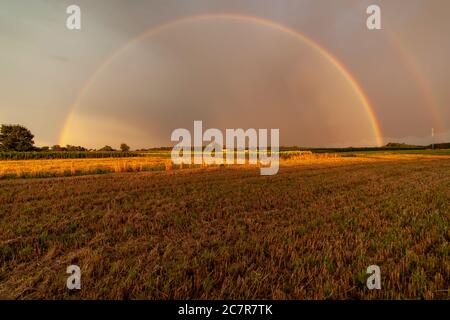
(73, 167)
(308, 232)
(155, 161)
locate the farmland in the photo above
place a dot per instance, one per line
(308, 232)
(66, 164)
(74, 167)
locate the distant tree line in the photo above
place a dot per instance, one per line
(17, 138)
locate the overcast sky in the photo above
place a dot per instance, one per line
(228, 72)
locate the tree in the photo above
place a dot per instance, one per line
(16, 138)
(106, 148)
(75, 148)
(124, 147)
(57, 147)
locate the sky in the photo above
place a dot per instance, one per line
(137, 70)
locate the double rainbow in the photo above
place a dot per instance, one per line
(375, 127)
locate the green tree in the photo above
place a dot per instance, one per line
(124, 147)
(57, 147)
(75, 148)
(16, 138)
(106, 148)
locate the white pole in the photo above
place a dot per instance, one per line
(432, 138)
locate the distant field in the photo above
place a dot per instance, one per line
(69, 165)
(427, 151)
(63, 164)
(45, 168)
(424, 152)
(309, 232)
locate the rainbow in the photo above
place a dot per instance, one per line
(234, 17)
(423, 85)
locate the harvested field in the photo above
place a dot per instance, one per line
(308, 232)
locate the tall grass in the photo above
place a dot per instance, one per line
(42, 168)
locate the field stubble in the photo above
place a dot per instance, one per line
(309, 232)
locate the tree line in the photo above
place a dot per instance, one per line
(17, 138)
